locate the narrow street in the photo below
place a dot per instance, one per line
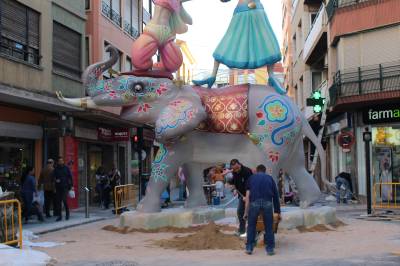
(357, 243)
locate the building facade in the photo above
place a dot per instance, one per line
(350, 54)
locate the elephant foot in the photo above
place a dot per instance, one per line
(194, 201)
(149, 205)
(309, 200)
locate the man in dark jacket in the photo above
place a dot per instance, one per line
(46, 183)
(261, 197)
(63, 183)
(241, 174)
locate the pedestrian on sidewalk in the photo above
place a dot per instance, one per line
(261, 197)
(46, 183)
(63, 184)
(241, 174)
(28, 191)
(115, 180)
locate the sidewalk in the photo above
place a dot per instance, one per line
(77, 218)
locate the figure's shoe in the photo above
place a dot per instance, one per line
(209, 81)
(272, 81)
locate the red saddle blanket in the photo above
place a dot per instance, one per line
(227, 109)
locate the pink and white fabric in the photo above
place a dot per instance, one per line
(172, 5)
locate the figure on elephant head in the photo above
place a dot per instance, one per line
(170, 18)
(248, 43)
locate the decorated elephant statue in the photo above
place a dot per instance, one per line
(199, 127)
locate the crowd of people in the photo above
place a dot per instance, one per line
(50, 191)
(54, 184)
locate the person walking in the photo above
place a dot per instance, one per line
(28, 191)
(241, 174)
(46, 183)
(261, 197)
(63, 184)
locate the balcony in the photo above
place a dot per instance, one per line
(366, 84)
(111, 14)
(316, 42)
(131, 30)
(351, 16)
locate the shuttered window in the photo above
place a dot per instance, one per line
(66, 51)
(19, 30)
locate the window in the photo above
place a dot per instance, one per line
(87, 51)
(313, 16)
(147, 5)
(66, 51)
(294, 45)
(19, 31)
(131, 18)
(112, 10)
(316, 80)
(128, 64)
(87, 4)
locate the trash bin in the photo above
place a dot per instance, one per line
(216, 201)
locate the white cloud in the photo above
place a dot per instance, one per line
(210, 21)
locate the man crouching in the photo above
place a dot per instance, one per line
(261, 193)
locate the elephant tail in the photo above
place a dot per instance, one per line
(309, 133)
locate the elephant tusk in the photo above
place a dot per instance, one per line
(86, 102)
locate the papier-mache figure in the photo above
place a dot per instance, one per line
(170, 18)
(249, 43)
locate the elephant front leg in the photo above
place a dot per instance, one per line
(164, 167)
(194, 182)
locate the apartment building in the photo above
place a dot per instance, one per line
(256, 76)
(287, 50)
(41, 52)
(118, 23)
(185, 72)
(350, 53)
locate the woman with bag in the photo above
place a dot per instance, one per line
(28, 192)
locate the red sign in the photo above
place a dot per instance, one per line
(120, 134)
(71, 160)
(115, 134)
(346, 140)
(104, 134)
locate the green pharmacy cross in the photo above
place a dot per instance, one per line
(316, 101)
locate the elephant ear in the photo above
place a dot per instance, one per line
(177, 118)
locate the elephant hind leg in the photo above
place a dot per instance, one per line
(308, 189)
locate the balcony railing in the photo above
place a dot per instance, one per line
(130, 29)
(315, 29)
(111, 14)
(335, 4)
(365, 80)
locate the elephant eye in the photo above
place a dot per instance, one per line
(138, 87)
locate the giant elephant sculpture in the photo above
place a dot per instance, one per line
(199, 127)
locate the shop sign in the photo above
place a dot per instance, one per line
(116, 134)
(384, 114)
(104, 134)
(120, 134)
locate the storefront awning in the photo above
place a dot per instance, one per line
(33, 100)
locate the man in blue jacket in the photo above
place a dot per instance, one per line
(261, 197)
(63, 184)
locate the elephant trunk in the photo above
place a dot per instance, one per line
(93, 72)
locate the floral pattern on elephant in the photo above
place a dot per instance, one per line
(276, 117)
(178, 113)
(158, 167)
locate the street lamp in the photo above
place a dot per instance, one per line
(367, 137)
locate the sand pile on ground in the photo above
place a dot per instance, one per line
(206, 237)
(167, 229)
(321, 227)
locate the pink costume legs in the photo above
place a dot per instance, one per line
(146, 46)
(143, 49)
(171, 56)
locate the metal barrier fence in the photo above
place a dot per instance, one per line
(385, 196)
(8, 234)
(124, 196)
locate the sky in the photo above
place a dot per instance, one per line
(211, 19)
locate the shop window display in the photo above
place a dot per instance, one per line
(15, 155)
(386, 161)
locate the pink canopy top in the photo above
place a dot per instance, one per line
(172, 5)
